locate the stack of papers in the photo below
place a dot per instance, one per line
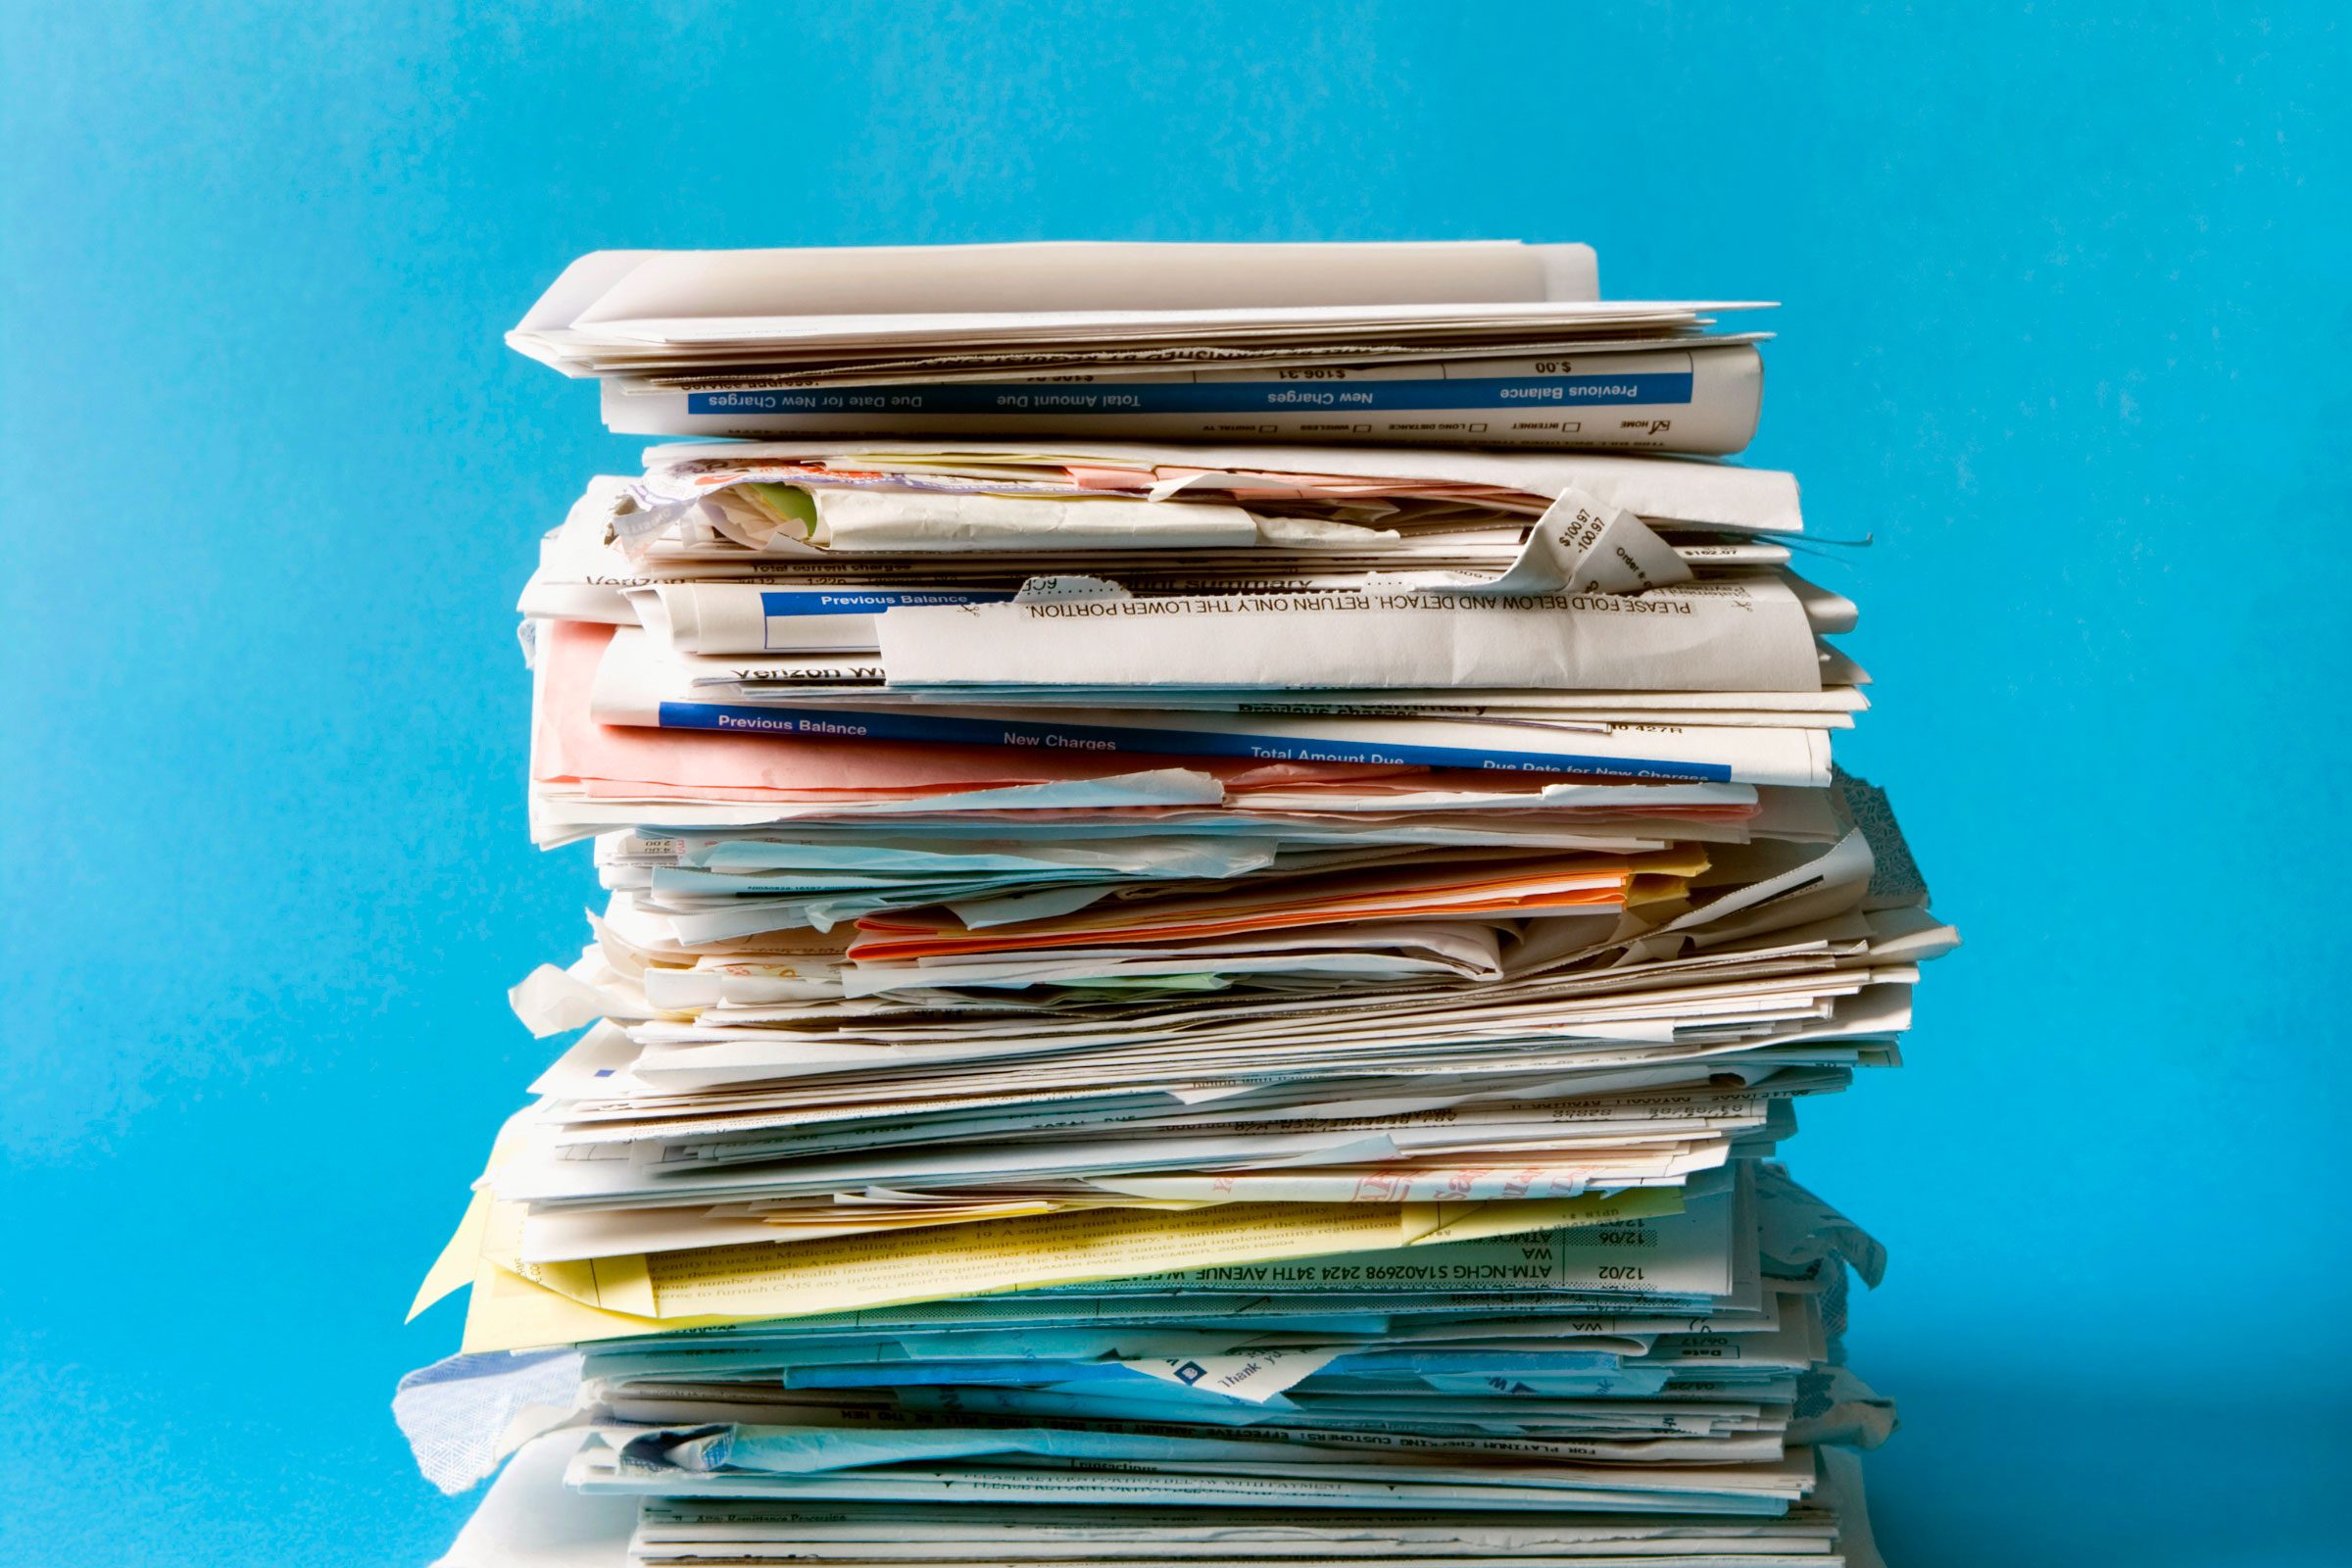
(1492, 344)
(1157, 1001)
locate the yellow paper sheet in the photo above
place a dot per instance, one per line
(618, 1297)
(458, 1259)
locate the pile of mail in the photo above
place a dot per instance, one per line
(1171, 999)
(1490, 344)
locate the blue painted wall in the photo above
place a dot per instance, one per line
(2065, 331)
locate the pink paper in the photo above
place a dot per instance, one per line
(605, 760)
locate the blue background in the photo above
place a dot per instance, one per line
(2065, 330)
